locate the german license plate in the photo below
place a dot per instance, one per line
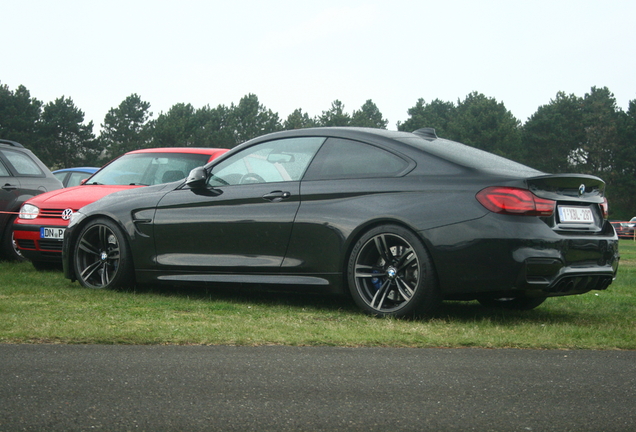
(576, 214)
(52, 233)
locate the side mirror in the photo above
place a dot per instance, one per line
(197, 178)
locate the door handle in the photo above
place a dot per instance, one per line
(276, 196)
(9, 187)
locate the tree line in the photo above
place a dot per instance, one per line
(586, 134)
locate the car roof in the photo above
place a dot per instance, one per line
(424, 139)
(339, 131)
(193, 150)
(11, 143)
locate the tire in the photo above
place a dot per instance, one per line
(512, 303)
(101, 256)
(9, 248)
(390, 274)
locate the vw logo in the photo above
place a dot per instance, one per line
(66, 214)
(581, 189)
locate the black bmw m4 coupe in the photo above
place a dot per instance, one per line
(400, 221)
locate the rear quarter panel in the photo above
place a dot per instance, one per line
(335, 213)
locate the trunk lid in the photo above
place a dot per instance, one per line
(580, 201)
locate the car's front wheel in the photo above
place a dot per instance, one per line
(9, 248)
(390, 273)
(101, 257)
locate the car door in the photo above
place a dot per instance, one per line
(242, 219)
(9, 188)
(347, 183)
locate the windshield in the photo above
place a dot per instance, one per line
(146, 169)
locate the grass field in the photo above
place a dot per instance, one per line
(43, 307)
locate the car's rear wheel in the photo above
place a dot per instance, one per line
(390, 273)
(520, 302)
(101, 257)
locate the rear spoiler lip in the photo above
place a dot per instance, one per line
(568, 187)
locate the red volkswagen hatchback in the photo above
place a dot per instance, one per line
(39, 229)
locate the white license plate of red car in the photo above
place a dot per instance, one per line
(576, 215)
(52, 233)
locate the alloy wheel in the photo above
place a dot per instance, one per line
(98, 256)
(387, 272)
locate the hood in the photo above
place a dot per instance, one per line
(75, 197)
(149, 196)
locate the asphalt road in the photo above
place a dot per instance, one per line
(190, 388)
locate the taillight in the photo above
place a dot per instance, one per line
(605, 208)
(515, 201)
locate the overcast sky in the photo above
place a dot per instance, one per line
(306, 54)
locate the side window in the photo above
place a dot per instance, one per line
(4, 172)
(341, 159)
(76, 178)
(268, 162)
(23, 164)
(60, 176)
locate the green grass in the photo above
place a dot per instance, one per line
(43, 307)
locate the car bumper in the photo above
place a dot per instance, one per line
(34, 247)
(510, 255)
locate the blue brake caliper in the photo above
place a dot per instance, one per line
(376, 282)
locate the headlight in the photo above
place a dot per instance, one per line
(75, 218)
(29, 211)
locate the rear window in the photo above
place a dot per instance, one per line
(469, 157)
(22, 163)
